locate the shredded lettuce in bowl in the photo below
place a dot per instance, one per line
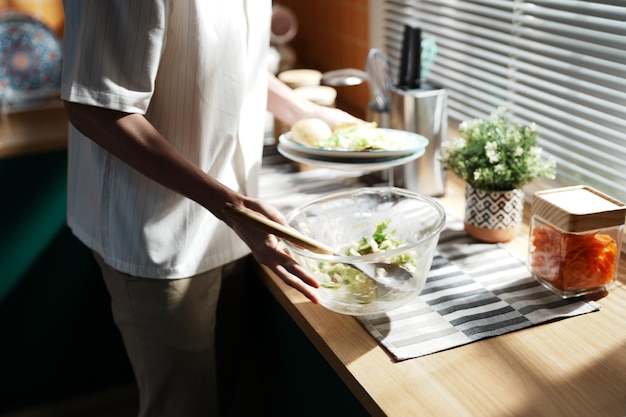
(361, 287)
(366, 137)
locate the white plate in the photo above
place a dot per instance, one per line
(349, 164)
(412, 141)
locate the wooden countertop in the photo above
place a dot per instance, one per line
(33, 130)
(572, 367)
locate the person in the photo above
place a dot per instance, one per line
(167, 101)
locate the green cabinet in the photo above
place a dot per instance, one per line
(58, 337)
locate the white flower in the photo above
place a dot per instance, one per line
(453, 146)
(497, 153)
(491, 150)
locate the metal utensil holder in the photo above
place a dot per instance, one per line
(423, 111)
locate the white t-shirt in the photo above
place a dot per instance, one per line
(197, 70)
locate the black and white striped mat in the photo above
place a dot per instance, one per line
(474, 291)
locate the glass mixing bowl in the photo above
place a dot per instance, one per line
(405, 226)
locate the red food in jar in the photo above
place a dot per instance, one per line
(572, 261)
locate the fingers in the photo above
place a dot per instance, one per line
(336, 117)
(297, 277)
(296, 270)
(293, 274)
(267, 210)
(267, 250)
(273, 254)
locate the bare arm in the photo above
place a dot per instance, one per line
(289, 107)
(133, 139)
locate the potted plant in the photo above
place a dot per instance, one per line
(496, 158)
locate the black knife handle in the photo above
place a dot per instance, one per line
(405, 57)
(415, 68)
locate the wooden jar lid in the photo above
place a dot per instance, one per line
(578, 208)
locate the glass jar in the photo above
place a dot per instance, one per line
(575, 239)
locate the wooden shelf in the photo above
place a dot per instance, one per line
(32, 130)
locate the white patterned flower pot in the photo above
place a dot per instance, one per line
(493, 216)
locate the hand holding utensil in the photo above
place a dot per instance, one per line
(393, 277)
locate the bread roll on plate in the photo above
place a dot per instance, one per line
(309, 132)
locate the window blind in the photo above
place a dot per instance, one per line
(559, 63)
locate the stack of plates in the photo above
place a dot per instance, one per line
(412, 147)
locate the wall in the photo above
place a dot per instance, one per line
(333, 34)
(49, 12)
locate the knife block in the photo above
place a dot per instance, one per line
(425, 112)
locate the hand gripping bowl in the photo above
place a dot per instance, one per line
(410, 220)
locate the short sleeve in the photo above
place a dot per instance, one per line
(111, 52)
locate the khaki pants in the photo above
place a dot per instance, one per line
(168, 327)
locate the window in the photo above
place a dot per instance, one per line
(559, 63)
